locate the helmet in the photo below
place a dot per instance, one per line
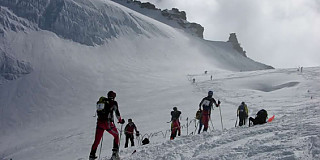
(175, 108)
(242, 103)
(111, 94)
(210, 93)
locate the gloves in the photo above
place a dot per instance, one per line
(122, 121)
(137, 134)
(219, 102)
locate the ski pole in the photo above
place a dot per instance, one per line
(221, 117)
(195, 125)
(187, 124)
(120, 136)
(139, 140)
(211, 124)
(235, 125)
(100, 147)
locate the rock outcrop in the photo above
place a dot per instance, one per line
(236, 45)
(11, 68)
(173, 17)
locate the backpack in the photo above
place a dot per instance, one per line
(100, 103)
(198, 114)
(145, 141)
(242, 110)
(262, 114)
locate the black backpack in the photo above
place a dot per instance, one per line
(263, 114)
(241, 108)
(145, 141)
(103, 108)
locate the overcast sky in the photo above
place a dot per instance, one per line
(281, 33)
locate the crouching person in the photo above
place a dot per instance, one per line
(261, 118)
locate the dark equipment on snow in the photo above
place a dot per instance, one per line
(261, 118)
(145, 141)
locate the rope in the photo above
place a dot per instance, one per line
(164, 133)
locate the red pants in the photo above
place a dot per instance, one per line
(111, 128)
(175, 126)
(205, 121)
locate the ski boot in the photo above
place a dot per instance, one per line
(92, 157)
(115, 155)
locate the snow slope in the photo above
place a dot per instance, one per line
(294, 134)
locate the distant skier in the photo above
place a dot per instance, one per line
(211, 77)
(105, 109)
(242, 113)
(206, 104)
(261, 118)
(128, 131)
(175, 124)
(193, 80)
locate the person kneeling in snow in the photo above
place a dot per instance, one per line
(261, 118)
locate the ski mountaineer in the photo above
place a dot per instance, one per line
(105, 109)
(242, 113)
(128, 131)
(261, 118)
(175, 124)
(206, 104)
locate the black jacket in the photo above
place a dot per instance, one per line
(175, 115)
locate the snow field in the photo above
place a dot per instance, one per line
(294, 134)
